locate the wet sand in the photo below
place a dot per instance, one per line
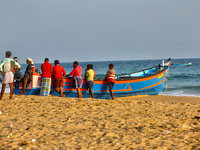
(144, 122)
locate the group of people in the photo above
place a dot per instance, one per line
(9, 66)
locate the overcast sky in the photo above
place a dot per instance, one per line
(99, 30)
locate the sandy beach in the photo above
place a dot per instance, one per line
(143, 122)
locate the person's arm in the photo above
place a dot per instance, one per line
(42, 68)
(73, 71)
(94, 73)
(2, 73)
(15, 69)
(86, 73)
(1, 70)
(64, 73)
(51, 70)
(16, 65)
(52, 73)
(107, 74)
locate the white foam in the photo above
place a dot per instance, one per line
(179, 93)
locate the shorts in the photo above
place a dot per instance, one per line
(58, 82)
(110, 85)
(26, 75)
(8, 78)
(89, 84)
(77, 82)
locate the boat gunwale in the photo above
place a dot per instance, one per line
(129, 77)
(137, 77)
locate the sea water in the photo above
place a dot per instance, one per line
(183, 80)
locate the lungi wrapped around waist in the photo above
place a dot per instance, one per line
(45, 87)
(77, 82)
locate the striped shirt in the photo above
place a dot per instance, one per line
(111, 75)
(8, 64)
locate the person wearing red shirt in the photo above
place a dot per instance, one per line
(46, 68)
(58, 73)
(77, 78)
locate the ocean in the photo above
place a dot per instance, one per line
(183, 80)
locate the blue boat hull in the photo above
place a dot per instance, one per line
(146, 82)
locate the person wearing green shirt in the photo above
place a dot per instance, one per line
(7, 68)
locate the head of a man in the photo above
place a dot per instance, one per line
(29, 61)
(46, 60)
(15, 59)
(91, 66)
(8, 54)
(75, 63)
(111, 66)
(88, 66)
(56, 62)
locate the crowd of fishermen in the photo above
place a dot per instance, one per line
(9, 66)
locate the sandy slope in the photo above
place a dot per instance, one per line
(125, 123)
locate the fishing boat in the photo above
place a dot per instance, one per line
(183, 64)
(145, 82)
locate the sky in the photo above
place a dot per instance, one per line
(99, 30)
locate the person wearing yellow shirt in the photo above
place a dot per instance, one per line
(89, 75)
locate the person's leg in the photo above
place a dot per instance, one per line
(110, 85)
(11, 90)
(2, 90)
(41, 88)
(91, 92)
(79, 93)
(24, 86)
(61, 88)
(56, 85)
(61, 92)
(22, 89)
(112, 94)
(49, 88)
(57, 90)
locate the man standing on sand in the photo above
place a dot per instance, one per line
(16, 59)
(27, 75)
(89, 76)
(46, 68)
(8, 65)
(110, 76)
(58, 73)
(77, 78)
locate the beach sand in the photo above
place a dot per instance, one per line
(143, 122)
